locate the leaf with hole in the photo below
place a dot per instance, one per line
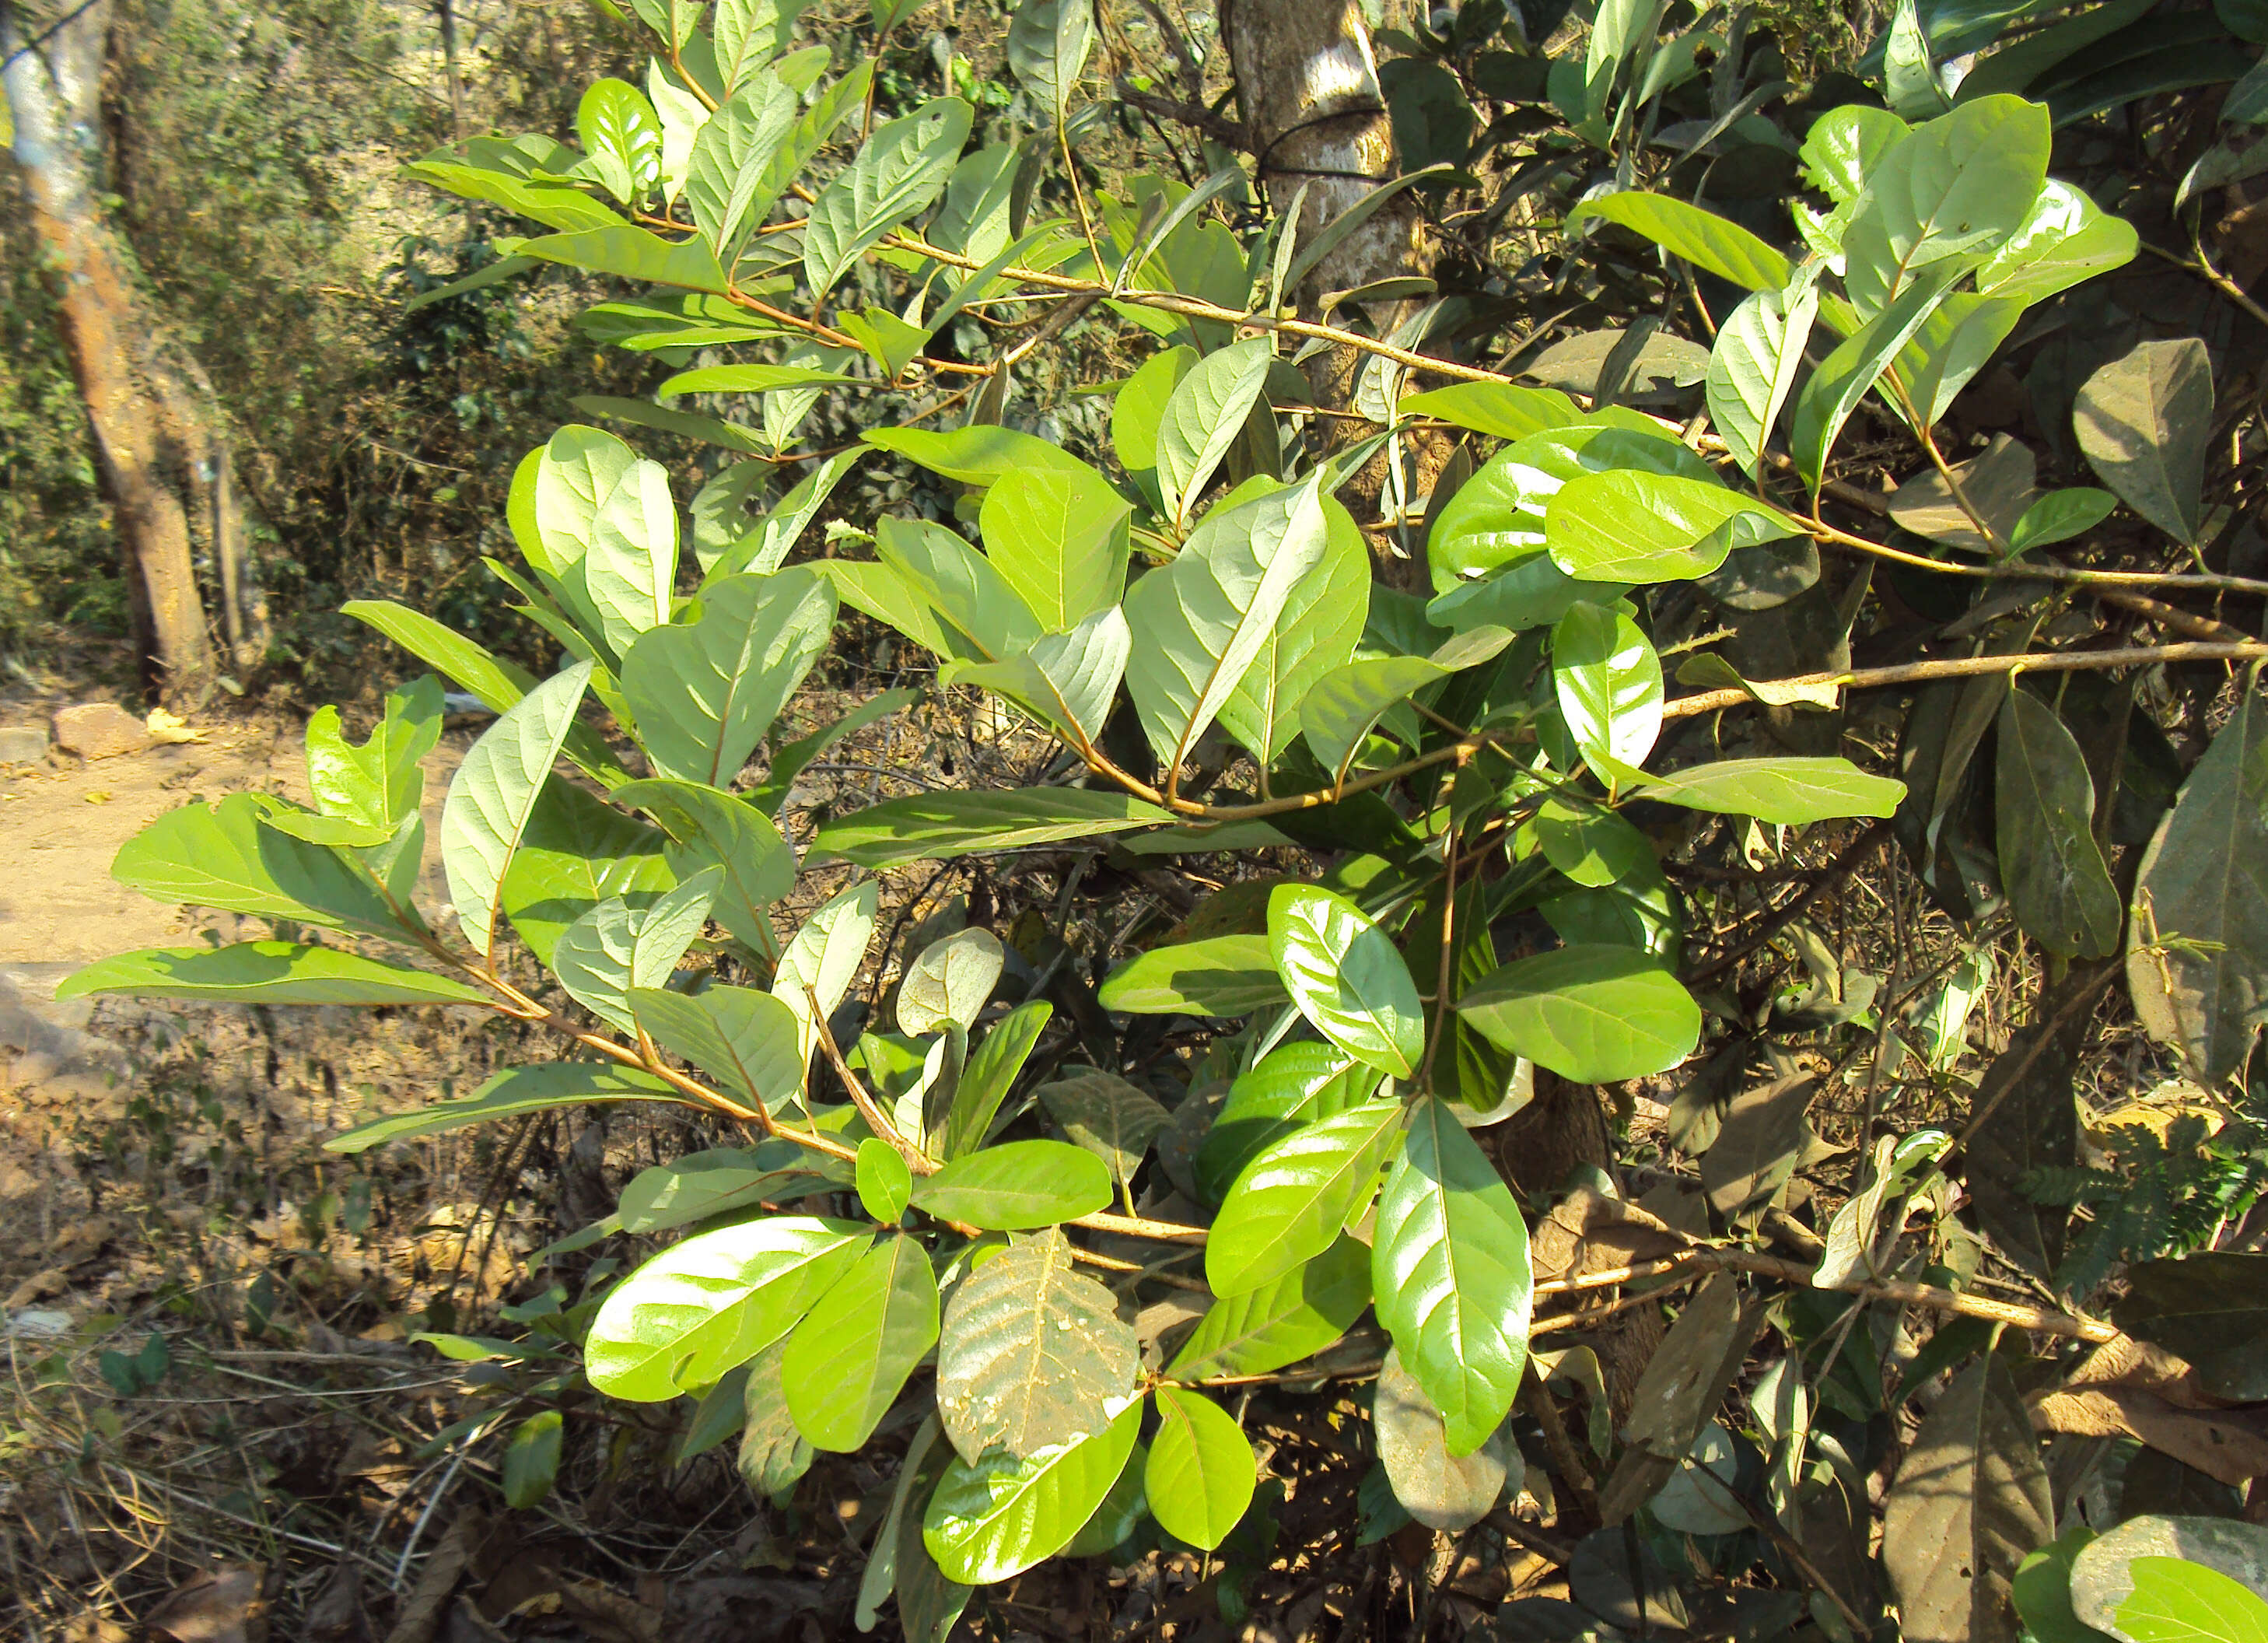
(1032, 1348)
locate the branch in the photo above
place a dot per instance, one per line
(1228, 133)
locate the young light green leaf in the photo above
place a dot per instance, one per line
(1203, 617)
(997, 1517)
(1291, 1202)
(1753, 364)
(1224, 976)
(1629, 525)
(1059, 536)
(938, 827)
(615, 947)
(1016, 1186)
(978, 614)
(713, 1300)
(1496, 520)
(264, 972)
(1595, 1014)
(1783, 791)
(705, 691)
(2044, 804)
(884, 1182)
(1702, 237)
(493, 793)
(1345, 975)
(226, 857)
(1138, 412)
(380, 782)
(851, 1354)
(899, 170)
(1201, 1470)
(1032, 1348)
(1203, 419)
(513, 1094)
(1450, 1266)
(825, 958)
(2143, 421)
(1608, 680)
(1289, 1318)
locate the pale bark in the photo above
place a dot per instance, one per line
(54, 81)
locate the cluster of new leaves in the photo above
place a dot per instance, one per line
(1190, 625)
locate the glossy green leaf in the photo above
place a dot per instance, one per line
(531, 1459)
(1450, 1268)
(265, 972)
(979, 454)
(1629, 525)
(1962, 181)
(1702, 237)
(2065, 239)
(493, 793)
(2057, 883)
(1318, 629)
(885, 1184)
(1294, 1084)
(2060, 515)
(1225, 976)
(1059, 536)
(632, 254)
(2143, 421)
(1017, 1185)
(1594, 847)
(1204, 418)
(1595, 1014)
(1608, 680)
(1753, 366)
(712, 1302)
(1291, 1202)
(745, 1038)
(938, 827)
(513, 1094)
(1503, 409)
(1346, 977)
(1033, 1348)
(1496, 520)
(700, 1185)
(2157, 1579)
(1342, 707)
(1788, 791)
(998, 1516)
(705, 691)
(851, 1354)
(1201, 1471)
(1290, 1317)
(1848, 373)
(1205, 617)
(900, 169)
(632, 563)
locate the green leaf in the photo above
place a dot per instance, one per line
(554, 204)
(1138, 412)
(575, 852)
(1702, 237)
(712, 1301)
(746, 1039)
(1595, 1014)
(2197, 956)
(1121, 1512)
(979, 454)
(773, 1455)
(851, 1354)
(2058, 516)
(1956, 341)
(1435, 1486)
(1783, 791)
(1291, 1202)
(1608, 680)
(825, 957)
(729, 162)
(766, 544)
(2041, 1589)
(1956, 185)
(885, 1184)
(632, 561)
(531, 1459)
(900, 169)
(2143, 421)
(1204, 418)
(990, 1074)
(1205, 617)
(513, 1094)
(1753, 366)
(748, 33)
(1911, 82)
(1047, 46)
(380, 782)
(1291, 1085)
(703, 1185)
(493, 793)
(633, 254)
(938, 827)
(1317, 629)
(995, 1518)
(1108, 1117)
(748, 380)
(1629, 525)
(621, 137)
(1346, 977)
(1845, 376)
(264, 972)
(1287, 1319)
(1068, 681)
(949, 981)
(1594, 847)
(1225, 976)
(1502, 409)
(1970, 1501)
(1059, 536)
(1032, 1348)
(966, 600)
(1496, 520)
(222, 856)
(2174, 1580)
(1450, 1266)
(705, 691)
(1201, 1471)
(1016, 1186)
(2209, 1308)
(2066, 239)
(1342, 707)
(708, 828)
(2043, 805)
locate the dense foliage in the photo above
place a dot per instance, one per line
(1473, 857)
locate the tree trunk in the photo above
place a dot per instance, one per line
(53, 84)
